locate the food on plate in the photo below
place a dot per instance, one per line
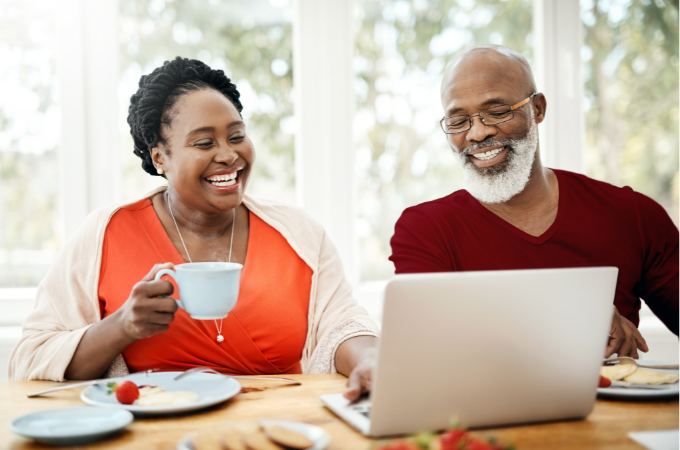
(633, 374)
(259, 441)
(150, 390)
(126, 392)
(207, 441)
(617, 372)
(287, 437)
(232, 439)
(645, 376)
(604, 382)
(248, 435)
(168, 398)
(455, 438)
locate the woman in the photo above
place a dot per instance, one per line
(98, 311)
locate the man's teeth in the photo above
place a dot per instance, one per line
(223, 180)
(488, 155)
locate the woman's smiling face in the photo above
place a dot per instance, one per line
(207, 156)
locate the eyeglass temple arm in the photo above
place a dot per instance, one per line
(523, 102)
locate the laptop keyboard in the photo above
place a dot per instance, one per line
(362, 409)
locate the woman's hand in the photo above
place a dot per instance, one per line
(141, 316)
(145, 314)
(357, 358)
(361, 379)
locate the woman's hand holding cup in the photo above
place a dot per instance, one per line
(149, 310)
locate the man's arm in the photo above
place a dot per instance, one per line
(419, 245)
(658, 285)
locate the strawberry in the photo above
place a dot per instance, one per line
(604, 382)
(126, 393)
(453, 439)
(478, 444)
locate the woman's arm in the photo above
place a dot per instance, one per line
(144, 314)
(356, 358)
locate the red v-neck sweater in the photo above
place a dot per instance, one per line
(597, 224)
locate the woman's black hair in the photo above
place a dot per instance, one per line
(151, 106)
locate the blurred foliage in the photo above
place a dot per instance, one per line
(402, 158)
(29, 178)
(631, 92)
(250, 41)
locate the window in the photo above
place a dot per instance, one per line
(29, 144)
(252, 42)
(630, 64)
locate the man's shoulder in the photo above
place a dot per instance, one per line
(447, 207)
(593, 186)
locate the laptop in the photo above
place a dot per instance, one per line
(487, 349)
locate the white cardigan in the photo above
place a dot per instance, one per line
(67, 303)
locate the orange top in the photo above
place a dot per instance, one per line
(264, 333)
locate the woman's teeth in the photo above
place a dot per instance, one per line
(222, 180)
(488, 155)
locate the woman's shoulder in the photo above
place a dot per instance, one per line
(293, 222)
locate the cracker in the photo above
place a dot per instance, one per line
(232, 439)
(258, 441)
(207, 440)
(287, 437)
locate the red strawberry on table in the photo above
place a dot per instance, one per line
(126, 392)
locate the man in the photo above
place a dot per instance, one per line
(517, 214)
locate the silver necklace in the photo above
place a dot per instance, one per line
(220, 338)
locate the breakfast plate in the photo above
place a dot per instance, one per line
(71, 426)
(670, 391)
(211, 389)
(317, 435)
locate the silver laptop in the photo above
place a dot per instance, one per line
(486, 348)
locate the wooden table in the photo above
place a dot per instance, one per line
(606, 427)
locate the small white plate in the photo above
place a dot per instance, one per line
(71, 426)
(211, 389)
(672, 390)
(319, 436)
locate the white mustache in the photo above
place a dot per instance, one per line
(486, 144)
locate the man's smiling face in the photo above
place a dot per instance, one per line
(496, 159)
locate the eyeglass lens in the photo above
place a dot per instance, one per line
(491, 116)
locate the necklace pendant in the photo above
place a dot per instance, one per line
(220, 338)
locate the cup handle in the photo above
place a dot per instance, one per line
(170, 273)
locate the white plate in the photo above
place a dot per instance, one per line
(319, 436)
(632, 393)
(71, 426)
(211, 389)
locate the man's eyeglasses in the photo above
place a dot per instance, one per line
(491, 116)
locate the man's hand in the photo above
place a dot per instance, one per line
(361, 378)
(624, 338)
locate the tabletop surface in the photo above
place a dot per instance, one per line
(606, 427)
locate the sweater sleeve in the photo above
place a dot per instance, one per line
(658, 285)
(64, 309)
(418, 244)
(341, 316)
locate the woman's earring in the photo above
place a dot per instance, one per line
(160, 171)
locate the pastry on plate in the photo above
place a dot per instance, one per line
(645, 376)
(617, 372)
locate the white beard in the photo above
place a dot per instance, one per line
(501, 182)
